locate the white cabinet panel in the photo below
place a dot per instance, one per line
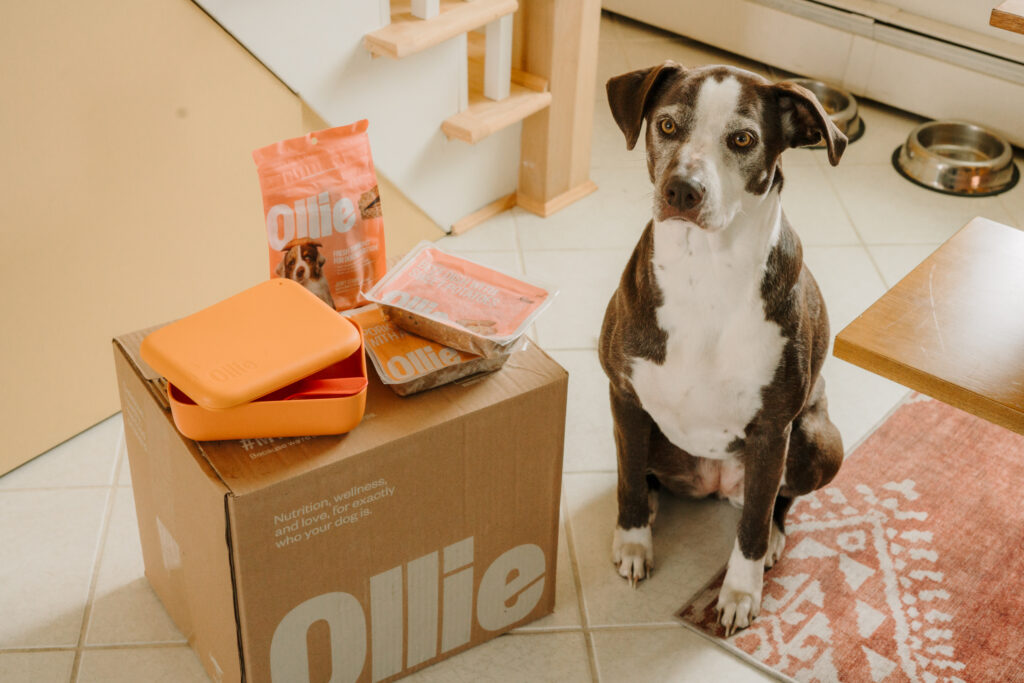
(750, 29)
(908, 81)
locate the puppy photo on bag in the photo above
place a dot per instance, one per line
(714, 340)
(323, 214)
(302, 262)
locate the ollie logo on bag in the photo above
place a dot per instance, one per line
(439, 584)
(312, 217)
(323, 214)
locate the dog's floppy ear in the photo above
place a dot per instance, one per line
(280, 268)
(805, 121)
(630, 94)
(320, 260)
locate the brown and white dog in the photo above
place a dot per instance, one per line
(302, 261)
(714, 340)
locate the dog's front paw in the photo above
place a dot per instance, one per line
(776, 544)
(633, 553)
(739, 600)
(737, 609)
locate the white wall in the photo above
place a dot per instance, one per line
(316, 48)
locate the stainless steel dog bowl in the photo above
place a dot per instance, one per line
(958, 158)
(840, 105)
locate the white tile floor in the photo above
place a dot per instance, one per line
(74, 605)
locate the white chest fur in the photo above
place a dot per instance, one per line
(720, 350)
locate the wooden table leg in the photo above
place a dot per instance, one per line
(559, 42)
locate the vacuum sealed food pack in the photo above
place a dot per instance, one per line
(410, 364)
(325, 228)
(457, 302)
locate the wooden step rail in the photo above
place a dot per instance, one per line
(407, 34)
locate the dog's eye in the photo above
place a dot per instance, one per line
(668, 126)
(742, 139)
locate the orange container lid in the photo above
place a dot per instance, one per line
(250, 344)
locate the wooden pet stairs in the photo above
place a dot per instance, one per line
(532, 61)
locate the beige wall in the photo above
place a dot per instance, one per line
(128, 195)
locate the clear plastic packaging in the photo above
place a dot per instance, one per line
(459, 303)
(410, 364)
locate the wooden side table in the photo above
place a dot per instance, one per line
(1009, 15)
(954, 327)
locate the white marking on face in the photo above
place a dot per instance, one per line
(707, 158)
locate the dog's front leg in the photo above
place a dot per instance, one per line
(632, 547)
(739, 600)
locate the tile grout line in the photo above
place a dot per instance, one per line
(154, 645)
(97, 561)
(652, 626)
(580, 603)
(121, 457)
(853, 224)
(584, 250)
(37, 489)
(143, 645)
(542, 630)
(519, 243)
(1009, 210)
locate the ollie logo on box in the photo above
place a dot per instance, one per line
(312, 217)
(509, 590)
(231, 370)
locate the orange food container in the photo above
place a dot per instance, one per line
(271, 361)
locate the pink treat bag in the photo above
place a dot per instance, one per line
(323, 213)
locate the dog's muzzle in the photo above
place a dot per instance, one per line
(683, 194)
(682, 198)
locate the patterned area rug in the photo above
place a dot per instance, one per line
(908, 567)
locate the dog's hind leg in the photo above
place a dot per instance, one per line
(815, 454)
(632, 547)
(653, 486)
(777, 535)
(815, 450)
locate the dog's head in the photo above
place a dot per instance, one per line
(301, 261)
(714, 136)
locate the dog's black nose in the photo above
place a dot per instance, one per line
(683, 193)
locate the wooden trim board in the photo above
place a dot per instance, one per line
(555, 204)
(559, 43)
(485, 117)
(1009, 16)
(406, 34)
(477, 217)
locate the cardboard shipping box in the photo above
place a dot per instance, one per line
(430, 528)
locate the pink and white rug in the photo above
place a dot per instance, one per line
(908, 567)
